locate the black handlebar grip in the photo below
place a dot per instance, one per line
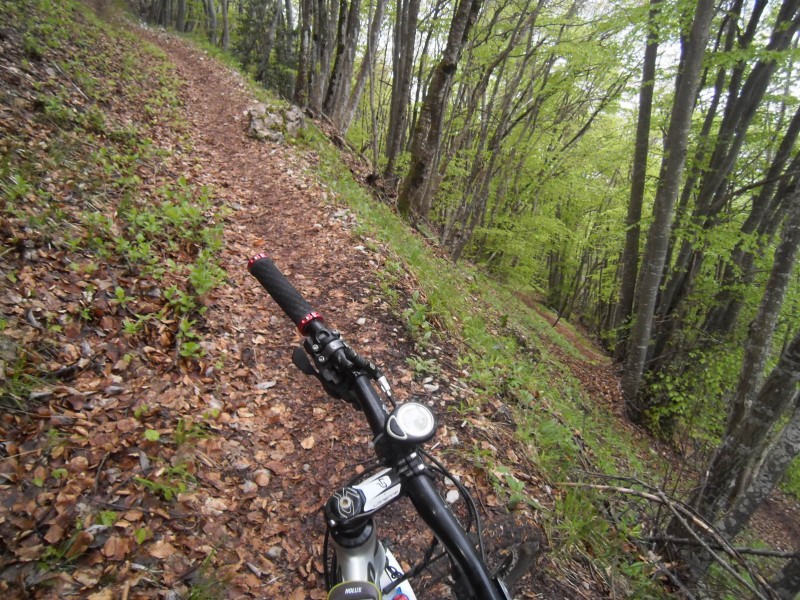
(283, 292)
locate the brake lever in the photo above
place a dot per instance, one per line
(301, 361)
(331, 383)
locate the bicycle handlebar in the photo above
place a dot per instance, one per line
(423, 494)
(282, 291)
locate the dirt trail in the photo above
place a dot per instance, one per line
(269, 537)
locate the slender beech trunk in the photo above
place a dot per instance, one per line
(427, 133)
(303, 80)
(226, 34)
(344, 60)
(269, 43)
(630, 255)
(755, 409)
(180, 21)
(772, 467)
(729, 475)
(722, 318)
(322, 37)
(344, 118)
(211, 15)
(672, 168)
(712, 195)
(405, 32)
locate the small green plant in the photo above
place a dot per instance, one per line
(152, 435)
(181, 302)
(142, 534)
(205, 274)
(21, 377)
(187, 340)
(107, 518)
(121, 297)
(132, 327)
(61, 555)
(207, 585)
(15, 187)
(516, 491)
(168, 482)
(423, 366)
(416, 316)
(186, 431)
(167, 490)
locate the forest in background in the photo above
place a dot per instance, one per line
(635, 165)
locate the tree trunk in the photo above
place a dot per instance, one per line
(759, 340)
(320, 67)
(343, 120)
(226, 34)
(669, 183)
(755, 409)
(712, 193)
(730, 472)
(405, 31)
(773, 466)
(778, 456)
(787, 582)
(269, 43)
(722, 318)
(303, 80)
(630, 255)
(427, 133)
(180, 21)
(344, 60)
(211, 15)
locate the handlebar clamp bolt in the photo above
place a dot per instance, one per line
(315, 347)
(321, 359)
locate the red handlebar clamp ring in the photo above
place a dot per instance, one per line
(253, 260)
(304, 322)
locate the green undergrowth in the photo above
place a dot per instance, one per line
(503, 351)
(91, 144)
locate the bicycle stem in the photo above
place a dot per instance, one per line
(416, 480)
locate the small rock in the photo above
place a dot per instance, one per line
(262, 477)
(248, 487)
(431, 387)
(274, 552)
(361, 321)
(266, 385)
(452, 496)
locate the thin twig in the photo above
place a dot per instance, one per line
(721, 561)
(752, 551)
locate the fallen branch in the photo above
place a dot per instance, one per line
(752, 551)
(683, 514)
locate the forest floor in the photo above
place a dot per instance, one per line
(248, 481)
